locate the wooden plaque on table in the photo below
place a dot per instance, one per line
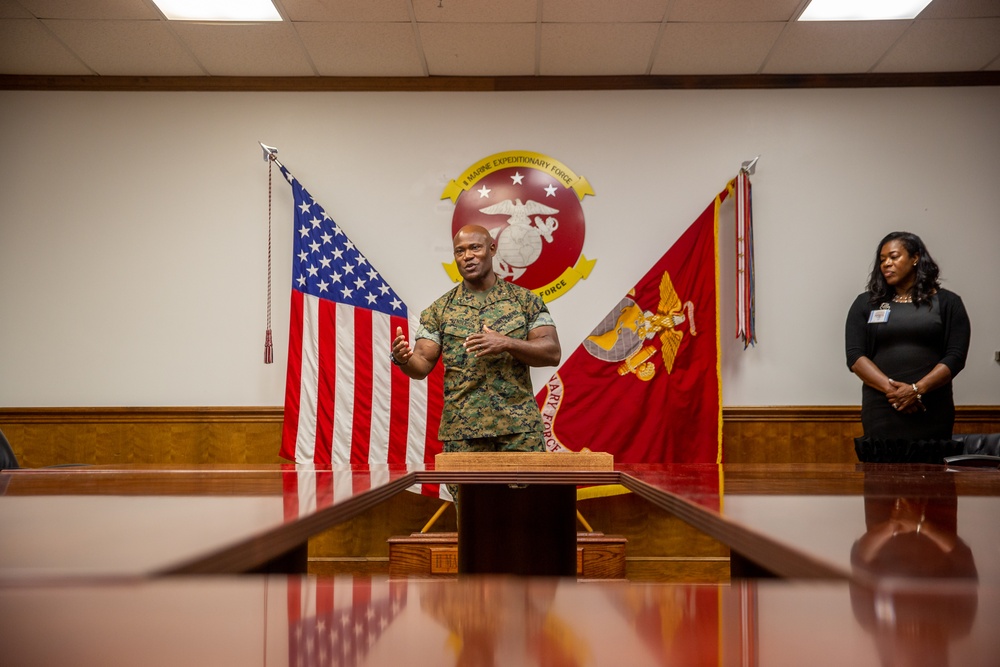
(526, 461)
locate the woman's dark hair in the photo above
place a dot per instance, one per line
(927, 271)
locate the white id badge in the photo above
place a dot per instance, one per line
(878, 316)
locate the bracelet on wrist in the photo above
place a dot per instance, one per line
(917, 391)
(392, 358)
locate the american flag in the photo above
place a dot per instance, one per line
(344, 402)
(335, 622)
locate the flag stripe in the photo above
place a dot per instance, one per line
(309, 381)
(400, 418)
(343, 389)
(322, 330)
(382, 403)
(363, 389)
(289, 431)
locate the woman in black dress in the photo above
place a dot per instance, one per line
(907, 338)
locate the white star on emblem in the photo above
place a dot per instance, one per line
(517, 178)
(484, 192)
(550, 191)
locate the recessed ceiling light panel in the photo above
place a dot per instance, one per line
(218, 10)
(862, 10)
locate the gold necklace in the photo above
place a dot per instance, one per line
(903, 299)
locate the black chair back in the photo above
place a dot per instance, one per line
(7, 459)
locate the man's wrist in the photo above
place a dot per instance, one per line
(392, 358)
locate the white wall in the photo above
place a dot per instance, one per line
(133, 225)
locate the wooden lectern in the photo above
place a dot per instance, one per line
(519, 528)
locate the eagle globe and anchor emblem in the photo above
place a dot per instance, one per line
(530, 204)
(621, 336)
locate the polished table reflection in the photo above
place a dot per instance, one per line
(800, 521)
(156, 520)
(820, 520)
(483, 621)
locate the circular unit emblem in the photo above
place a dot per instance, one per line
(531, 205)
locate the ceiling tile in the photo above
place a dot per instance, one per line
(714, 48)
(12, 10)
(484, 49)
(946, 45)
(127, 48)
(597, 49)
(92, 9)
(700, 11)
(832, 47)
(960, 9)
(602, 11)
(27, 47)
(260, 49)
(476, 11)
(347, 10)
(362, 49)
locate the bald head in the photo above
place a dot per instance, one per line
(474, 231)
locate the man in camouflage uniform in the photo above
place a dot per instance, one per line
(488, 333)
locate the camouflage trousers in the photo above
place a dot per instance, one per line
(512, 442)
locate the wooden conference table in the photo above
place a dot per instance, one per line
(801, 521)
(883, 565)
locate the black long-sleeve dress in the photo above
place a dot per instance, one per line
(906, 347)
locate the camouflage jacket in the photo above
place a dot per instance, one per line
(491, 395)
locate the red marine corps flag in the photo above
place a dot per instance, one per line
(644, 385)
